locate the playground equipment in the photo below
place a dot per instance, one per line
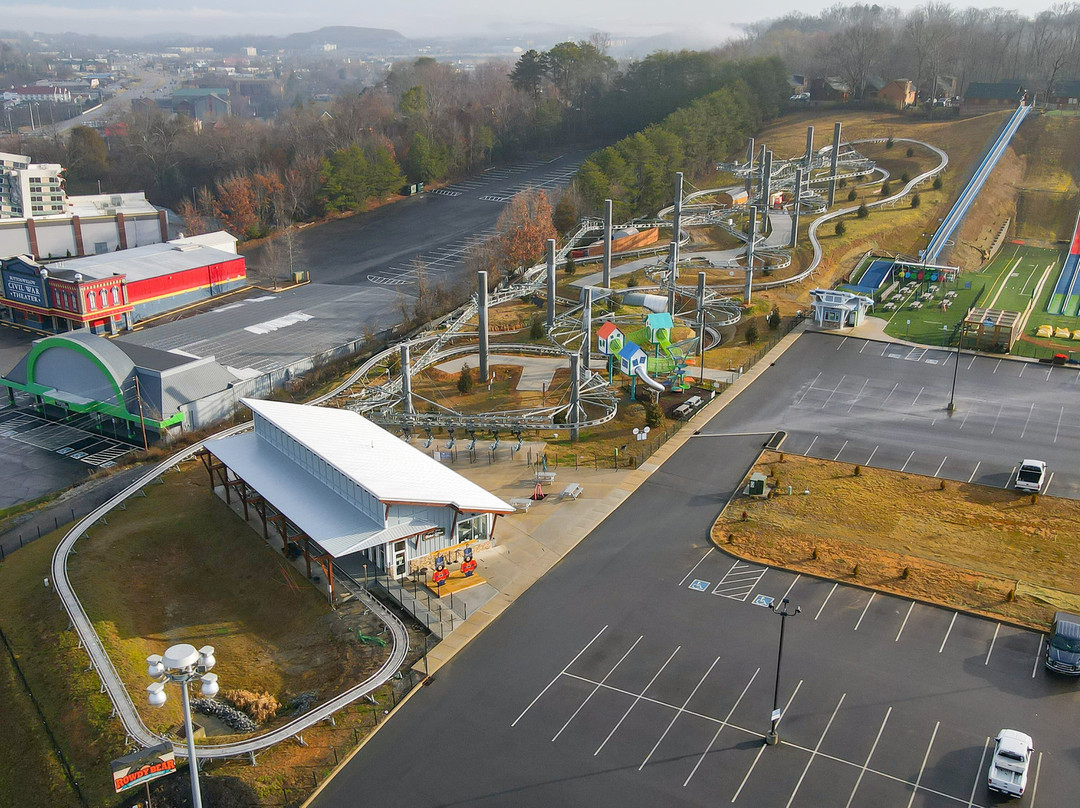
(626, 352)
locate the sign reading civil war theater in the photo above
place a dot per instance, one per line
(143, 766)
(22, 284)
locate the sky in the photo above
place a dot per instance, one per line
(413, 18)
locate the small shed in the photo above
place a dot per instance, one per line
(659, 326)
(990, 329)
(631, 357)
(834, 308)
(609, 339)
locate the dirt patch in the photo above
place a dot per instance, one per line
(985, 550)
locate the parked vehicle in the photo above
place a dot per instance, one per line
(1010, 763)
(1030, 476)
(1063, 650)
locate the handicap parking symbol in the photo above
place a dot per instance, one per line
(699, 586)
(763, 600)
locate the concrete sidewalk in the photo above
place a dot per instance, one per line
(527, 545)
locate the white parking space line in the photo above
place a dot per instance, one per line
(722, 725)
(757, 757)
(811, 446)
(865, 608)
(1038, 657)
(634, 703)
(829, 398)
(808, 389)
(922, 768)
(1050, 479)
(906, 616)
(739, 581)
(1035, 782)
(1057, 429)
(863, 348)
(841, 451)
(974, 471)
(972, 362)
(948, 632)
(978, 774)
(858, 395)
(841, 345)
(939, 468)
(1023, 367)
(886, 401)
(822, 608)
(597, 687)
(997, 366)
(1031, 409)
(916, 401)
(560, 673)
(908, 460)
(675, 718)
(871, 457)
(1008, 482)
(797, 577)
(887, 346)
(813, 754)
(993, 640)
(707, 554)
(996, 417)
(862, 769)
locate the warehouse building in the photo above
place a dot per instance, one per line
(109, 293)
(338, 485)
(113, 387)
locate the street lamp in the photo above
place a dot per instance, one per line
(956, 367)
(772, 738)
(182, 664)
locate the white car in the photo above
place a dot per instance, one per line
(1030, 476)
(1010, 763)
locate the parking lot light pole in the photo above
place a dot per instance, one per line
(956, 367)
(773, 738)
(182, 664)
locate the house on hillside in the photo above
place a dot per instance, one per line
(898, 93)
(1064, 95)
(988, 95)
(830, 88)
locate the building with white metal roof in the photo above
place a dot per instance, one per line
(340, 484)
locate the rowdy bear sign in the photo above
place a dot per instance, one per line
(143, 766)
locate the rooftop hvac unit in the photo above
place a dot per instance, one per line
(116, 200)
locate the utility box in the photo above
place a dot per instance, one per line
(757, 484)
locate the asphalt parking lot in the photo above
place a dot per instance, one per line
(884, 405)
(640, 672)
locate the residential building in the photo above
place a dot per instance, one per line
(899, 93)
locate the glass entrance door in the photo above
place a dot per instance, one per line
(399, 568)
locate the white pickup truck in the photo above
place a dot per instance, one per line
(1030, 476)
(1010, 763)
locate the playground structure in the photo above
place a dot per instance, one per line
(632, 359)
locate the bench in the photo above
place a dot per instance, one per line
(683, 410)
(521, 504)
(572, 490)
(546, 477)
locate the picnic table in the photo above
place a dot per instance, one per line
(573, 490)
(545, 477)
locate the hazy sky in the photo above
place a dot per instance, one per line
(413, 18)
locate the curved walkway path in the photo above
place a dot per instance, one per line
(124, 708)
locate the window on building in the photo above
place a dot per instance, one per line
(104, 299)
(472, 529)
(91, 299)
(116, 295)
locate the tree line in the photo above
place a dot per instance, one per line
(927, 44)
(637, 172)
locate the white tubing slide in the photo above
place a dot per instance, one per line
(649, 380)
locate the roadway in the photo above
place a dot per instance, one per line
(640, 671)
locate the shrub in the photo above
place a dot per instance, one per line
(937, 183)
(752, 334)
(632, 281)
(889, 143)
(852, 195)
(654, 416)
(904, 178)
(886, 188)
(910, 152)
(863, 211)
(465, 380)
(843, 182)
(916, 201)
(773, 318)
(840, 228)
(571, 265)
(536, 327)
(260, 706)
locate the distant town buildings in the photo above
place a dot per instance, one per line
(30, 189)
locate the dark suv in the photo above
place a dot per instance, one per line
(1063, 650)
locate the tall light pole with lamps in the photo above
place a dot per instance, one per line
(182, 664)
(773, 738)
